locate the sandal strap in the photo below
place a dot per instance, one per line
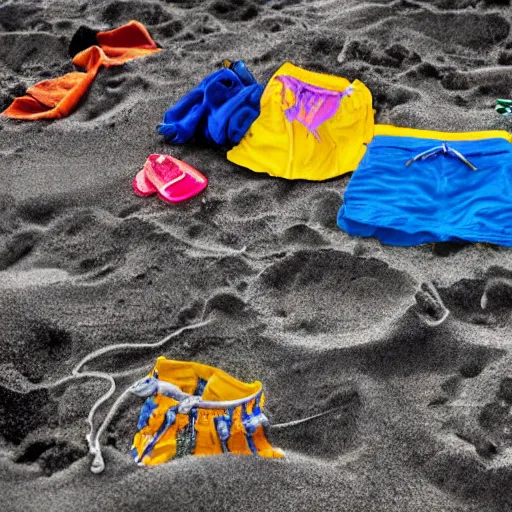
(160, 185)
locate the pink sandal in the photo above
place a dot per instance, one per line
(173, 180)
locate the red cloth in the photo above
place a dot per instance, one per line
(57, 97)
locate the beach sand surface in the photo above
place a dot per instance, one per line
(323, 320)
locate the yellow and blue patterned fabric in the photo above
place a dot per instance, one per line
(420, 186)
(311, 126)
(201, 431)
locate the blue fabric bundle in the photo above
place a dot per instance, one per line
(219, 110)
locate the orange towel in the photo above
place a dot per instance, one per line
(56, 98)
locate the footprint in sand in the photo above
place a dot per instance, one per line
(18, 17)
(239, 10)
(148, 13)
(394, 56)
(327, 291)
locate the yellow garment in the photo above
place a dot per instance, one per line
(218, 386)
(397, 131)
(288, 149)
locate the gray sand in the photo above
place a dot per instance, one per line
(322, 319)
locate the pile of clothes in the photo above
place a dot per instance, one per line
(408, 186)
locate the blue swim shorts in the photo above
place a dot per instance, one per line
(410, 190)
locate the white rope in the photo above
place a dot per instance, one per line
(304, 420)
(94, 441)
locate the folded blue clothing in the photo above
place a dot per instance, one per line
(219, 110)
(409, 191)
(241, 71)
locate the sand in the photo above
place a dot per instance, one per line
(322, 319)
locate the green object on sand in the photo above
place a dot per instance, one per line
(504, 107)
